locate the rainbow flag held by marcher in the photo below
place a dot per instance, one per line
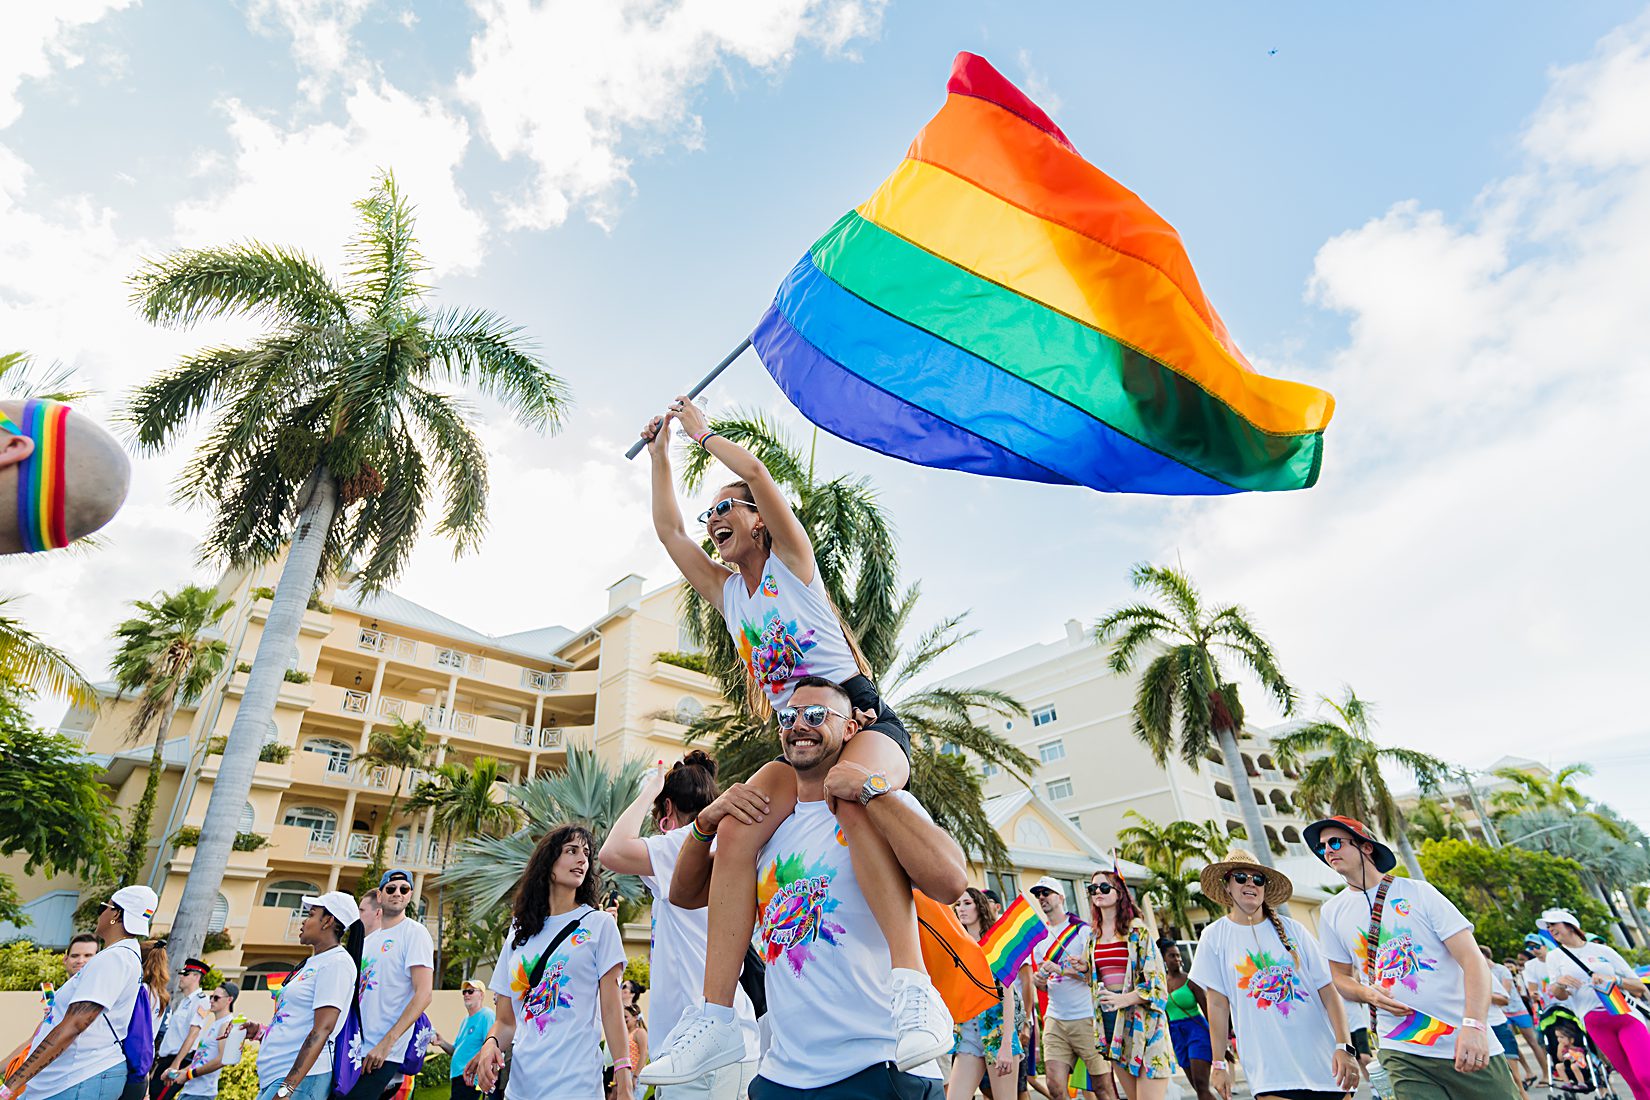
(1420, 1029)
(1008, 943)
(1062, 940)
(1614, 1000)
(277, 980)
(1001, 306)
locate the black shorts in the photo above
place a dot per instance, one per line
(1360, 1042)
(879, 1082)
(862, 695)
(1303, 1094)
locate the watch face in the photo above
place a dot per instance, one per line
(878, 783)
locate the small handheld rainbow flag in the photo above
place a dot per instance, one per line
(277, 980)
(1614, 1000)
(1009, 942)
(1420, 1029)
(1062, 940)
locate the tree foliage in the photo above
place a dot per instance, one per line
(26, 661)
(1503, 890)
(53, 810)
(1175, 854)
(397, 748)
(24, 967)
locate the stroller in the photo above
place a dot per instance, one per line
(1577, 1067)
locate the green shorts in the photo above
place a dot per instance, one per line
(1417, 1077)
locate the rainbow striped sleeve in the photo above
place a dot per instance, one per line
(1009, 942)
(1001, 306)
(1420, 1029)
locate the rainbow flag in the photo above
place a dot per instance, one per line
(1062, 940)
(1002, 306)
(1614, 1000)
(1420, 1029)
(277, 980)
(1008, 943)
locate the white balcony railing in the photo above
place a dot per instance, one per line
(549, 738)
(391, 708)
(391, 645)
(535, 680)
(523, 734)
(355, 702)
(1218, 771)
(1271, 775)
(360, 846)
(377, 779)
(293, 924)
(323, 844)
(1265, 810)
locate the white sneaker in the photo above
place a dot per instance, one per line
(697, 1045)
(921, 1021)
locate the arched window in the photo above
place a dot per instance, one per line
(1030, 832)
(257, 976)
(272, 735)
(248, 819)
(220, 915)
(321, 822)
(337, 753)
(687, 709)
(289, 893)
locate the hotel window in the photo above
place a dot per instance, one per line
(289, 893)
(1006, 883)
(1042, 716)
(1069, 888)
(989, 770)
(950, 748)
(1076, 821)
(1059, 789)
(1050, 751)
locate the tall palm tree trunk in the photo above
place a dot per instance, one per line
(246, 736)
(137, 844)
(1245, 795)
(1633, 912)
(1406, 850)
(1618, 927)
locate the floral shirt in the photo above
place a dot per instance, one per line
(1140, 1040)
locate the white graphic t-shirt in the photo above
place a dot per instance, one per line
(179, 1018)
(387, 960)
(1283, 1032)
(1501, 982)
(1069, 998)
(829, 984)
(558, 1021)
(111, 979)
(677, 951)
(1607, 966)
(1535, 980)
(786, 630)
(327, 980)
(231, 1033)
(1411, 962)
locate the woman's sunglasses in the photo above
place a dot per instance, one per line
(1246, 878)
(723, 507)
(813, 717)
(1101, 887)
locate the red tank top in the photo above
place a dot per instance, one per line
(1111, 962)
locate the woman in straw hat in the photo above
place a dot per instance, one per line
(1265, 974)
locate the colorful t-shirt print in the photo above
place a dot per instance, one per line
(557, 1050)
(388, 958)
(1283, 1033)
(795, 903)
(785, 630)
(1411, 963)
(775, 651)
(325, 981)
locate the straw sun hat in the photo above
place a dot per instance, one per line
(1278, 887)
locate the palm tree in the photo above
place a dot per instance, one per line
(28, 662)
(400, 747)
(584, 791)
(856, 551)
(466, 802)
(1581, 837)
(22, 375)
(1175, 855)
(1535, 792)
(1434, 820)
(331, 435)
(1185, 677)
(168, 656)
(1340, 765)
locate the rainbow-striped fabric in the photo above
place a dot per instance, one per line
(1062, 940)
(1002, 306)
(1008, 943)
(1614, 999)
(41, 477)
(276, 980)
(1420, 1029)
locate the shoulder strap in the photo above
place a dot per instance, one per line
(568, 929)
(1585, 969)
(1372, 945)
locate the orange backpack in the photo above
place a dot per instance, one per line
(955, 962)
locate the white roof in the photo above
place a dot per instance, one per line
(1000, 808)
(539, 644)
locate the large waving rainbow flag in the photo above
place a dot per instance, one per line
(1003, 307)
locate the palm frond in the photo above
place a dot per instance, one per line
(264, 282)
(23, 376)
(385, 263)
(479, 348)
(764, 438)
(28, 661)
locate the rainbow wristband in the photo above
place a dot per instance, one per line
(699, 834)
(41, 476)
(700, 439)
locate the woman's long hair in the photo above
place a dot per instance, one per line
(756, 700)
(532, 901)
(690, 785)
(157, 972)
(1283, 933)
(982, 910)
(1126, 911)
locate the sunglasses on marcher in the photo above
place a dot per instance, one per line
(394, 889)
(1246, 878)
(1333, 844)
(813, 716)
(1101, 887)
(723, 507)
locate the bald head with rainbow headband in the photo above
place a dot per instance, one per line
(61, 476)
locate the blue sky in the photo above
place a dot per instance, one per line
(1427, 209)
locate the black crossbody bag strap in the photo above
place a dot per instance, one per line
(1373, 945)
(1587, 970)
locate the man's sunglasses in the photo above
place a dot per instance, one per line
(1101, 887)
(1333, 844)
(104, 907)
(1247, 878)
(394, 889)
(723, 507)
(813, 717)
(220, 996)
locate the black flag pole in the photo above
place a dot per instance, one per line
(699, 387)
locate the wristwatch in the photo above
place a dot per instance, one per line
(283, 1090)
(1349, 1048)
(876, 783)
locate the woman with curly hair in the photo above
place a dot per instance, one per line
(557, 980)
(1131, 991)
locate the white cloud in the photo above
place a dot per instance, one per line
(563, 83)
(41, 37)
(296, 186)
(1036, 85)
(1473, 556)
(320, 30)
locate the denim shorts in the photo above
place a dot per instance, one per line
(314, 1087)
(101, 1086)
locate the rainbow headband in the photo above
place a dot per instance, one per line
(41, 476)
